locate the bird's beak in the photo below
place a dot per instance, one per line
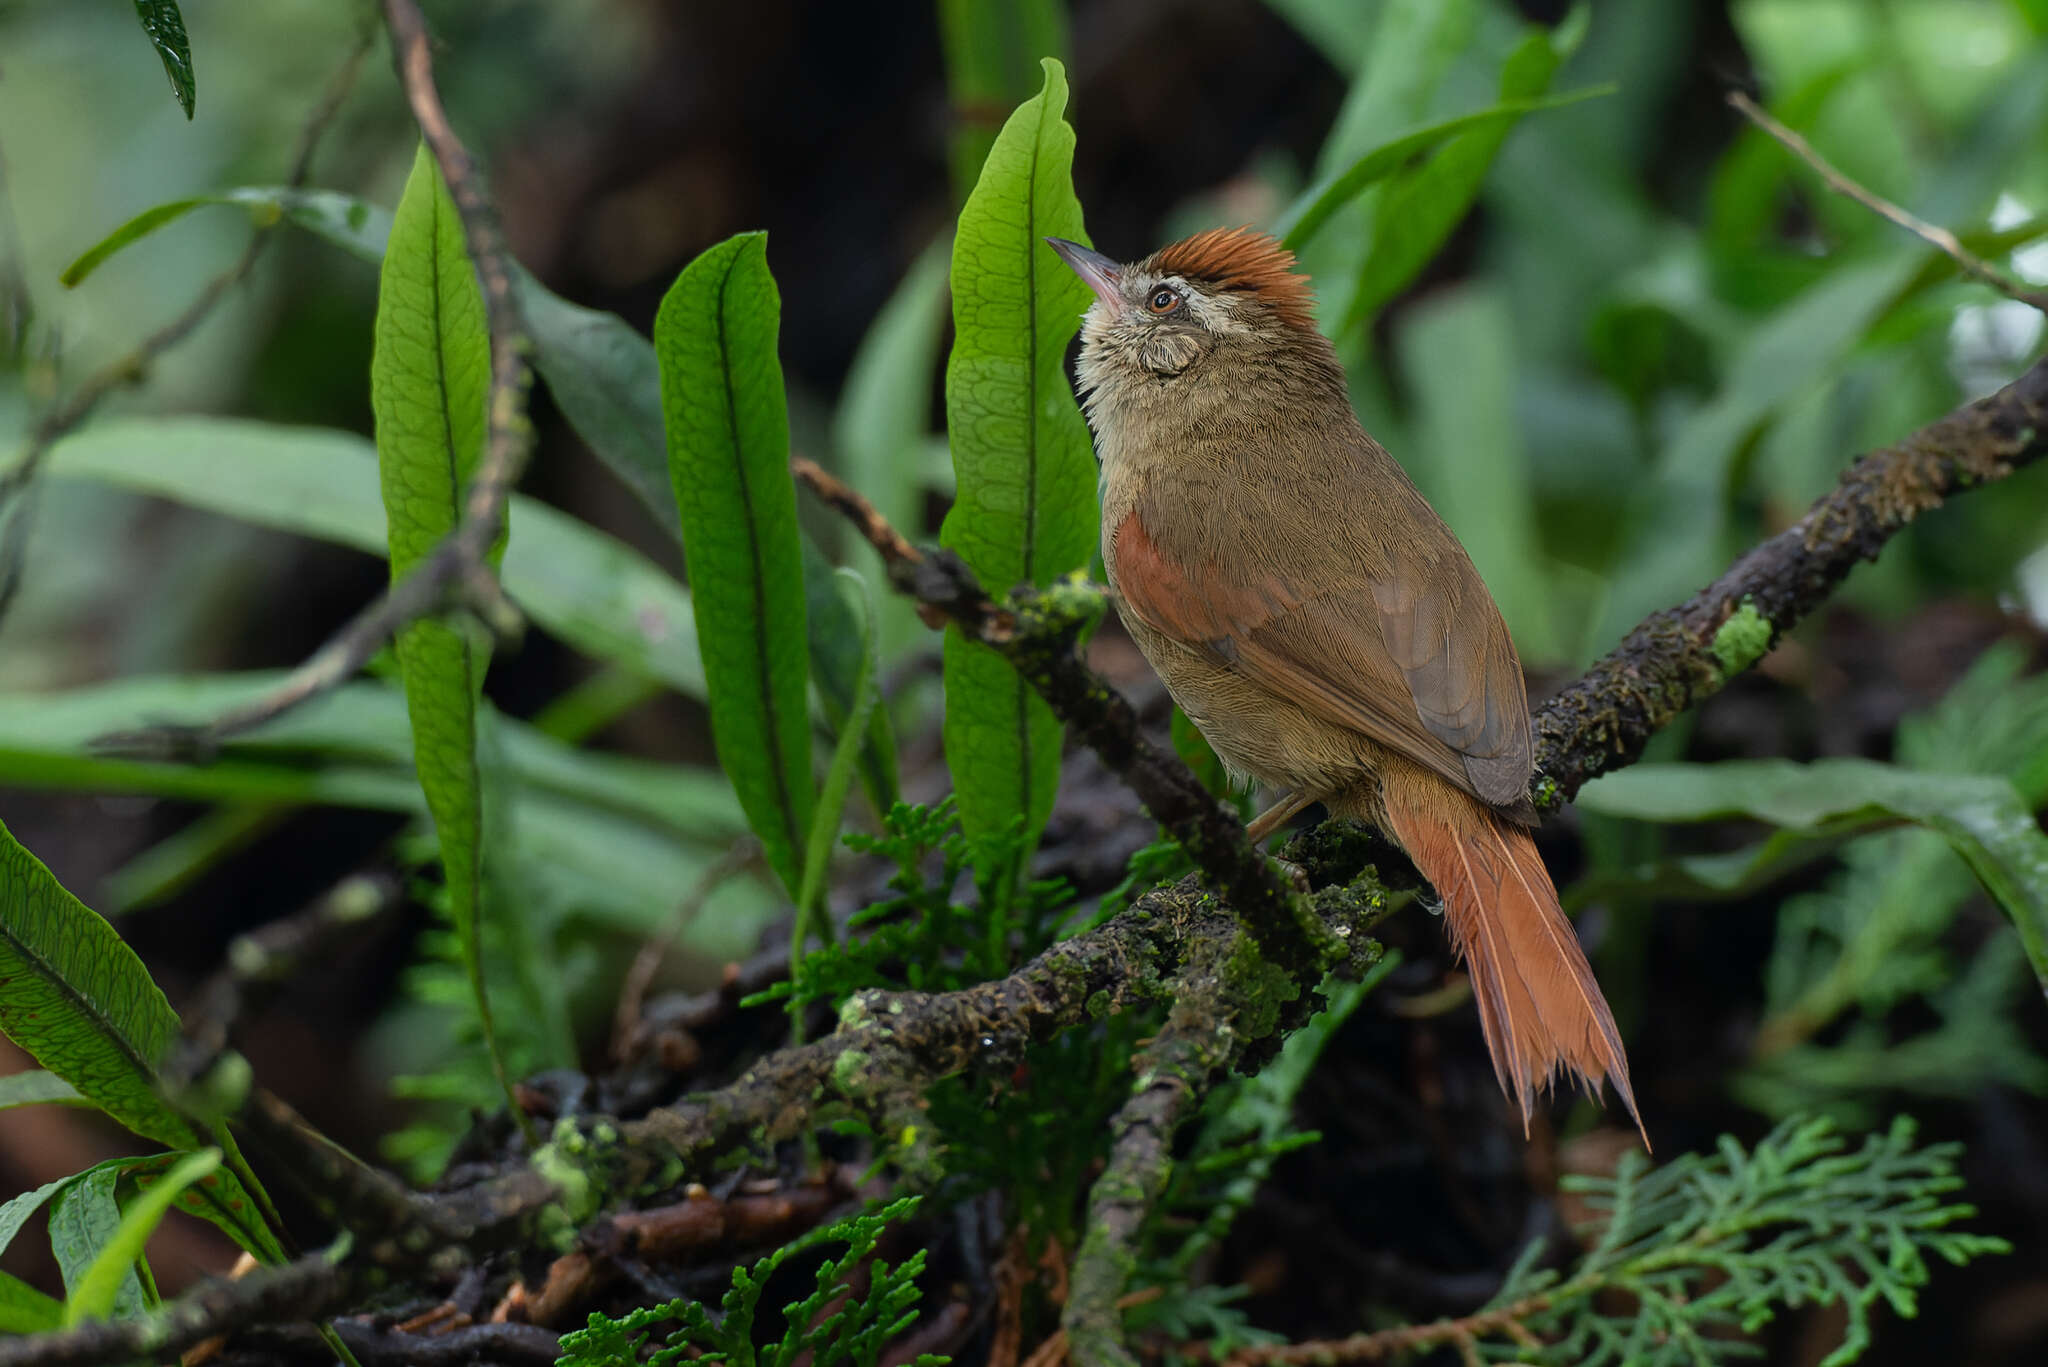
(1099, 272)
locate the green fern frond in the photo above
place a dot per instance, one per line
(1706, 1250)
(850, 1334)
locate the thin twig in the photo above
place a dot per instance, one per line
(17, 507)
(1464, 1331)
(1939, 238)
(633, 994)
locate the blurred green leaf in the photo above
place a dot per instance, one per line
(352, 747)
(1678, 527)
(84, 1217)
(583, 586)
(429, 384)
(177, 861)
(25, 1310)
(1981, 816)
(80, 1001)
(603, 376)
(1417, 212)
(97, 1289)
(1025, 509)
(728, 447)
(37, 1087)
(1313, 208)
(993, 49)
(883, 416)
(166, 30)
(348, 222)
(1457, 350)
(863, 692)
(841, 641)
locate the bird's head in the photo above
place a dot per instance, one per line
(1229, 291)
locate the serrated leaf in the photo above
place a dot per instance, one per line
(74, 995)
(1024, 509)
(1980, 815)
(97, 1290)
(581, 585)
(429, 382)
(727, 426)
(25, 1310)
(166, 30)
(37, 1087)
(83, 1219)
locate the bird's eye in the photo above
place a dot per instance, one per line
(1163, 300)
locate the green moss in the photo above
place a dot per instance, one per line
(1259, 988)
(850, 1071)
(1742, 640)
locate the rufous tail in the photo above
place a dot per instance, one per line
(1538, 1002)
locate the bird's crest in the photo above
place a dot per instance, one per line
(1242, 259)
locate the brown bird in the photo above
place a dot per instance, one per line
(1312, 614)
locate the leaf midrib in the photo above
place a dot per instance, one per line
(84, 1005)
(764, 672)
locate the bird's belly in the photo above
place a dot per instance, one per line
(1255, 732)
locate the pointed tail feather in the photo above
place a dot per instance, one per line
(1538, 1002)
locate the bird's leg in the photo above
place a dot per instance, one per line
(1278, 815)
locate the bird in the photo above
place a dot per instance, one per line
(1312, 615)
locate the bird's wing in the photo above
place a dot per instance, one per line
(1411, 651)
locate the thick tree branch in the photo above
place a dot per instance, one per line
(892, 1045)
(1683, 655)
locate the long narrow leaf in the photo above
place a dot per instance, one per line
(860, 705)
(884, 413)
(94, 1294)
(728, 447)
(992, 47)
(74, 995)
(1307, 215)
(584, 587)
(166, 30)
(1025, 508)
(429, 378)
(1420, 209)
(1980, 815)
(348, 222)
